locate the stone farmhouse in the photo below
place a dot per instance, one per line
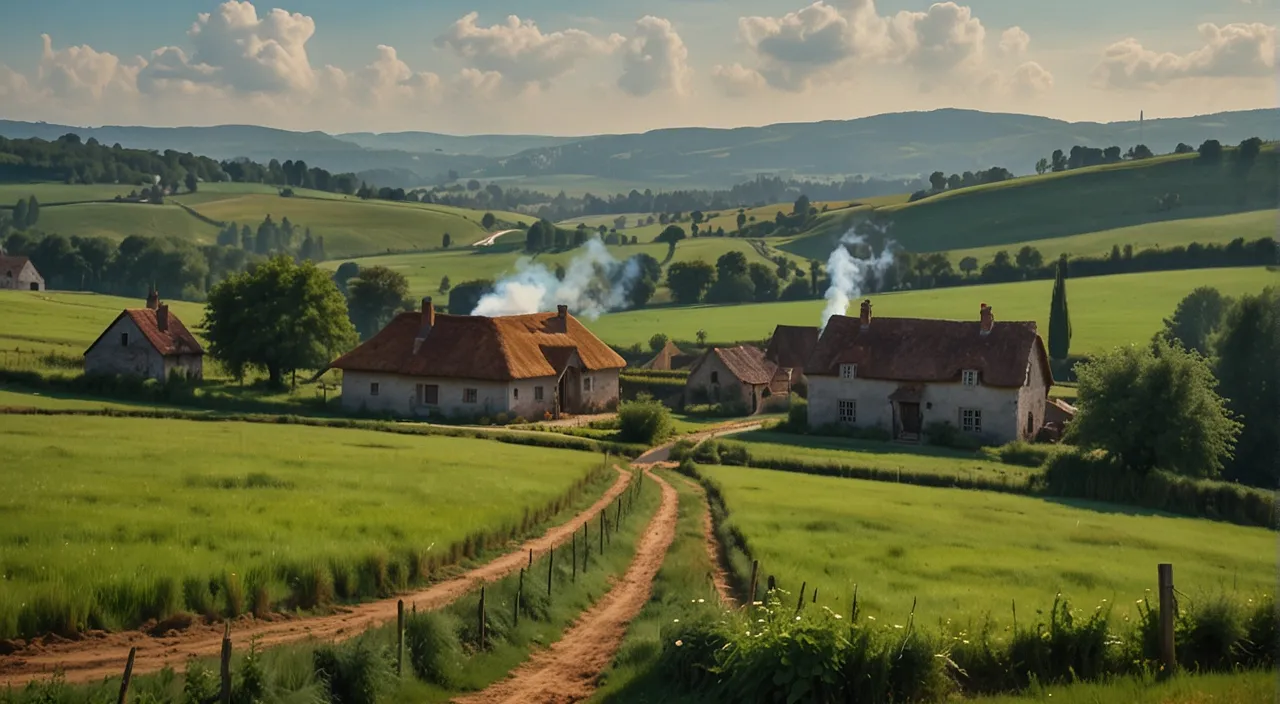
(986, 378)
(736, 375)
(148, 342)
(789, 348)
(19, 274)
(537, 366)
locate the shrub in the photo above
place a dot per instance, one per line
(644, 421)
(1021, 453)
(357, 673)
(797, 417)
(434, 649)
(945, 434)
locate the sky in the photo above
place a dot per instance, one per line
(573, 67)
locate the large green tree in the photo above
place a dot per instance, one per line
(1059, 317)
(1247, 349)
(280, 317)
(765, 281)
(1195, 320)
(374, 297)
(1154, 407)
(689, 281)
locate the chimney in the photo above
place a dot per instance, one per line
(562, 311)
(428, 322)
(162, 317)
(988, 319)
(866, 314)
(153, 298)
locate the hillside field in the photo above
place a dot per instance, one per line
(105, 528)
(116, 221)
(1105, 310)
(968, 554)
(68, 322)
(53, 193)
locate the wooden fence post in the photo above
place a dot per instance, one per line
(519, 595)
(551, 560)
(530, 558)
(800, 603)
(602, 533)
(853, 611)
(400, 638)
(128, 675)
(1168, 608)
(586, 545)
(482, 623)
(751, 589)
(225, 694)
(815, 595)
(574, 556)
(617, 520)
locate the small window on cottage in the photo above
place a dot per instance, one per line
(970, 377)
(373, 389)
(848, 411)
(431, 394)
(715, 377)
(586, 383)
(971, 420)
(515, 394)
(848, 371)
(124, 339)
(470, 395)
(537, 393)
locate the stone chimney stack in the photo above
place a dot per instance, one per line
(153, 298)
(563, 312)
(428, 322)
(988, 319)
(866, 314)
(162, 317)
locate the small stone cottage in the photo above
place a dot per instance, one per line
(19, 274)
(735, 375)
(148, 342)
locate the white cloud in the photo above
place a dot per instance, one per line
(255, 54)
(794, 47)
(1238, 50)
(519, 51)
(655, 59)
(1014, 41)
(737, 81)
(81, 74)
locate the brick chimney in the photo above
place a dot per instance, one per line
(563, 312)
(153, 298)
(866, 314)
(162, 317)
(428, 322)
(988, 319)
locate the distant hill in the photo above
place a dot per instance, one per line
(886, 145)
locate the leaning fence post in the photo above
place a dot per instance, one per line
(815, 595)
(128, 674)
(225, 694)
(574, 556)
(751, 589)
(800, 603)
(519, 595)
(602, 533)
(482, 623)
(551, 559)
(617, 521)
(1168, 608)
(400, 638)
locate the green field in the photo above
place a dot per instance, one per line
(1240, 688)
(66, 322)
(965, 554)
(1105, 310)
(112, 518)
(51, 193)
(1221, 229)
(27, 399)
(115, 221)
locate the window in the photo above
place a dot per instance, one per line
(970, 377)
(515, 394)
(470, 395)
(124, 339)
(537, 393)
(715, 377)
(431, 394)
(971, 420)
(586, 383)
(848, 371)
(848, 411)
(373, 389)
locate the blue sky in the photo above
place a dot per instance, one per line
(712, 62)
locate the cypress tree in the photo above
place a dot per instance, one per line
(33, 212)
(1059, 318)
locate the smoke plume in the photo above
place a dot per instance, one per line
(848, 274)
(594, 283)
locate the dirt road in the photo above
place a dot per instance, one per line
(492, 238)
(719, 576)
(91, 659)
(567, 671)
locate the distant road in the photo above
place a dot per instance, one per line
(492, 238)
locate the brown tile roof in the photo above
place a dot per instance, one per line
(791, 346)
(12, 263)
(746, 363)
(176, 340)
(474, 347)
(666, 358)
(922, 350)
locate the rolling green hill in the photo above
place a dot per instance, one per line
(67, 323)
(115, 221)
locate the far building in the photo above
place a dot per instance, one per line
(789, 348)
(669, 358)
(19, 274)
(736, 375)
(537, 366)
(146, 342)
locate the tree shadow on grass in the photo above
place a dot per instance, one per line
(849, 445)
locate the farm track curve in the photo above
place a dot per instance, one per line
(567, 671)
(99, 656)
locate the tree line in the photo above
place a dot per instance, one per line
(939, 182)
(271, 238)
(1211, 150)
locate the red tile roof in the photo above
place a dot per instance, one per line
(791, 346)
(474, 347)
(12, 264)
(922, 350)
(747, 364)
(176, 340)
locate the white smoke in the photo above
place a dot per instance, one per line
(594, 283)
(848, 273)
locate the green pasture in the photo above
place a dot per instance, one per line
(116, 221)
(1106, 311)
(968, 554)
(52, 193)
(68, 322)
(113, 517)
(1165, 234)
(29, 399)
(1235, 688)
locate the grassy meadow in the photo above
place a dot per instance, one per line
(1106, 311)
(116, 221)
(967, 554)
(1220, 229)
(113, 521)
(53, 193)
(66, 322)
(1239, 688)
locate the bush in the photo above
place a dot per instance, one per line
(356, 673)
(1021, 453)
(797, 417)
(944, 434)
(434, 649)
(644, 420)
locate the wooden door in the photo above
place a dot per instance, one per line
(910, 417)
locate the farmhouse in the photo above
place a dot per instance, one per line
(148, 342)
(789, 348)
(735, 375)
(668, 358)
(536, 366)
(985, 378)
(19, 274)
